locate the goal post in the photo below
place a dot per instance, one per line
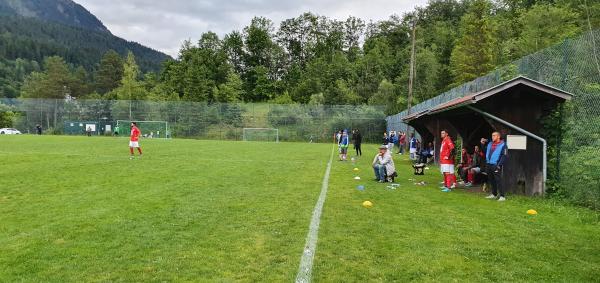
(260, 134)
(148, 129)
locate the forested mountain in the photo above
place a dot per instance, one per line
(65, 12)
(33, 39)
(33, 30)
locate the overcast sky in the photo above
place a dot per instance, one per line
(164, 25)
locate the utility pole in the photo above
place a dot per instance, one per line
(412, 70)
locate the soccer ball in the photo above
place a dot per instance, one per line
(531, 212)
(367, 204)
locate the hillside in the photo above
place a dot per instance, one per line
(33, 39)
(65, 12)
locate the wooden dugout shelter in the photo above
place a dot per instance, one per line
(514, 108)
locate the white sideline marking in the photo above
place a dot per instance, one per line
(306, 262)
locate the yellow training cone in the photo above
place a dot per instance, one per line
(367, 204)
(531, 212)
(355, 169)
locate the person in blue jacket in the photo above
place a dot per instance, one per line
(496, 155)
(344, 143)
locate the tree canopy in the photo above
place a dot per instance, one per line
(315, 59)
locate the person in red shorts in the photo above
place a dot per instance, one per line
(447, 162)
(134, 140)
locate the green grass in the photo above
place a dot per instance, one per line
(76, 209)
(418, 233)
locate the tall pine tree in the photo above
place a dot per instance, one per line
(472, 55)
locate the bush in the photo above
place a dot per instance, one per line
(7, 116)
(580, 177)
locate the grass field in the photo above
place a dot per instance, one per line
(76, 209)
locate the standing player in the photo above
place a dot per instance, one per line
(447, 162)
(134, 140)
(344, 143)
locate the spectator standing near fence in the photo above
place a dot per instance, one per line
(496, 155)
(401, 143)
(447, 162)
(385, 139)
(38, 129)
(338, 140)
(344, 143)
(392, 141)
(357, 140)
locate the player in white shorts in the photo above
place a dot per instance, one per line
(134, 140)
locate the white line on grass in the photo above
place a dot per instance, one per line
(306, 262)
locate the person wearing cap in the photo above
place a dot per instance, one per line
(383, 165)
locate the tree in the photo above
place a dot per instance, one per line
(131, 88)
(544, 25)
(7, 116)
(110, 72)
(472, 55)
(55, 82)
(231, 90)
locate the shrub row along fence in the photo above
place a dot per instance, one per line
(303, 123)
(573, 131)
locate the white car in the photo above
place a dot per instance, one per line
(9, 131)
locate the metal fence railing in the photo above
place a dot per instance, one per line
(294, 122)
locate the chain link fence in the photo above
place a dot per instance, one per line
(302, 123)
(573, 131)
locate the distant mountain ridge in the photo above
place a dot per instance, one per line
(65, 12)
(35, 29)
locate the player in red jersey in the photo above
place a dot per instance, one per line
(447, 161)
(134, 140)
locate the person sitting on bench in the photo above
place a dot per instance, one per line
(475, 167)
(465, 161)
(383, 165)
(426, 153)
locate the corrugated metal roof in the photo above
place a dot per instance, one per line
(476, 97)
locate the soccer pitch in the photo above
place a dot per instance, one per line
(76, 209)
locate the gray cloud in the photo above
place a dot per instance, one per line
(164, 25)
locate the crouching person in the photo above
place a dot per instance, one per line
(383, 165)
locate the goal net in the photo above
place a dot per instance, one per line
(261, 134)
(148, 129)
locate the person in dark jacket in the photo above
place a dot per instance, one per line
(38, 129)
(357, 140)
(475, 167)
(426, 153)
(385, 139)
(464, 166)
(496, 155)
